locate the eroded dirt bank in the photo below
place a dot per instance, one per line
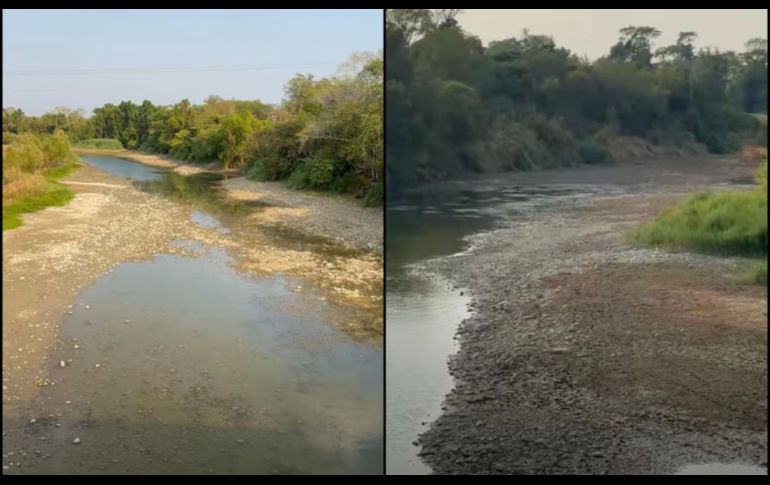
(586, 356)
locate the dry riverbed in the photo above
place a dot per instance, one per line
(325, 215)
(61, 250)
(586, 356)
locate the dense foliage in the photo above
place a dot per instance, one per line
(31, 166)
(455, 106)
(326, 135)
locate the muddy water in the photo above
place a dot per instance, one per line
(422, 315)
(184, 365)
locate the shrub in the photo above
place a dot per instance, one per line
(592, 152)
(727, 223)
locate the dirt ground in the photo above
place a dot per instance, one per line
(586, 356)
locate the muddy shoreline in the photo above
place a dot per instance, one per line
(606, 359)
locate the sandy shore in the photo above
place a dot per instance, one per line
(586, 356)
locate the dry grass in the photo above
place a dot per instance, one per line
(753, 153)
(29, 185)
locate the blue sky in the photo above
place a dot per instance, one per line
(49, 56)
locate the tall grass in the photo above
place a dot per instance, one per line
(726, 223)
(31, 167)
(731, 223)
(35, 192)
(101, 143)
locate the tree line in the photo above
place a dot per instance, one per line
(325, 135)
(455, 106)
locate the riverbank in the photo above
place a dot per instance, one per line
(335, 217)
(23, 197)
(605, 359)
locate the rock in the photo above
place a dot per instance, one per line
(77, 347)
(559, 350)
(127, 321)
(88, 307)
(62, 364)
(76, 441)
(240, 442)
(98, 365)
(597, 454)
(32, 421)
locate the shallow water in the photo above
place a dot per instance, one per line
(417, 380)
(124, 168)
(210, 371)
(185, 365)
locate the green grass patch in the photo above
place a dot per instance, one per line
(101, 143)
(756, 273)
(56, 194)
(724, 223)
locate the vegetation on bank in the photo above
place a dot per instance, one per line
(31, 167)
(325, 135)
(730, 223)
(100, 143)
(455, 106)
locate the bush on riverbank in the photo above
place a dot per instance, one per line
(726, 223)
(730, 223)
(101, 143)
(31, 166)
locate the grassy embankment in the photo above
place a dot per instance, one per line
(31, 167)
(729, 223)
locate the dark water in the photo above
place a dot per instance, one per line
(422, 316)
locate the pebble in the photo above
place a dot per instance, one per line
(76, 441)
(77, 347)
(67, 402)
(98, 365)
(127, 321)
(240, 442)
(32, 421)
(62, 364)
(88, 307)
